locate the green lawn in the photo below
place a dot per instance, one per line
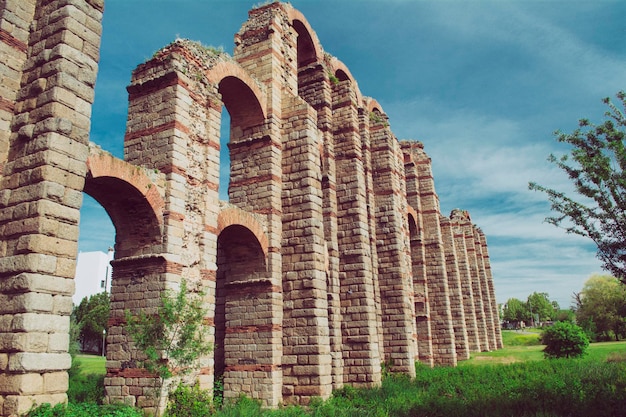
(518, 347)
(91, 364)
(525, 347)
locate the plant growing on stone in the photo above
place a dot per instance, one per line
(174, 338)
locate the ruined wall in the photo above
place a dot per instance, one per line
(330, 261)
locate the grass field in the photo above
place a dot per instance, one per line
(518, 347)
(526, 347)
(91, 364)
(513, 382)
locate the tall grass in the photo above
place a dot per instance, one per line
(549, 388)
(526, 385)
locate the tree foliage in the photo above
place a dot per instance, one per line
(540, 306)
(564, 340)
(537, 306)
(596, 166)
(174, 338)
(601, 309)
(91, 317)
(515, 310)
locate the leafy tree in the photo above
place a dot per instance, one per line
(541, 307)
(564, 340)
(596, 166)
(515, 310)
(91, 317)
(174, 338)
(602, 307)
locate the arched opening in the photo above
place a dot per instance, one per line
(341, 75)
(306, 47)
(134, 206)
(242, 104)
(224, 154)
(92, 280)
(240, 310)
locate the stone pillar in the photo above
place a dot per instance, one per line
(456, 296)
(494, 304)
(394, 274)
(15, 18)
(314, 88)
(41, 189)
(444, 351)
(418, 258)
(479, 311)
(360, 336)
(366, 149)
(492, 321)
(457, 217)
(171, 129)
(306, 338)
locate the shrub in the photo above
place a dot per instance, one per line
(186, 401)
(564, 340)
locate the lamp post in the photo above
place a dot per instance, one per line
(104, 332)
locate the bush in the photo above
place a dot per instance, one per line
(564, 340)
(186, 401)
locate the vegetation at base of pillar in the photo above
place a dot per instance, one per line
(596, 165)
(601, 308)
(564, 340)
(174, 338)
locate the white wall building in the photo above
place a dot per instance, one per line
(93, 274)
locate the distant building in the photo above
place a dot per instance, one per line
(93, 274)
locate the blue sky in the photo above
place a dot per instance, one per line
(483, 84)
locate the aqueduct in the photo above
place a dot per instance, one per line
(330, 258)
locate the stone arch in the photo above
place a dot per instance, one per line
(243, 98)
(245, 326)
(233, 216)
(309, 47)
(374, 106)
(341, 71)
(412, 218)
(131, 200)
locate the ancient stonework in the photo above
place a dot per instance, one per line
(330, 261)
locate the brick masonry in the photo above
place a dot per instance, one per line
(330, 263)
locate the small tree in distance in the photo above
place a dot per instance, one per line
(564, 340)
(597, 167)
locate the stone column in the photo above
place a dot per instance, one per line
(394, 275)
(458, 217)
(479, 310)
(418, 258)
(456, 297)
(15, 18)
(41, 190)
(306, 338)
(494, 304)
(444, 351)
(357, 292)
(314, 88)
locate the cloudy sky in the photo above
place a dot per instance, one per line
(483, 84)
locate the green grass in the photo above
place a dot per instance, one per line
(91, 364)
(524, 347)
(515, 381)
